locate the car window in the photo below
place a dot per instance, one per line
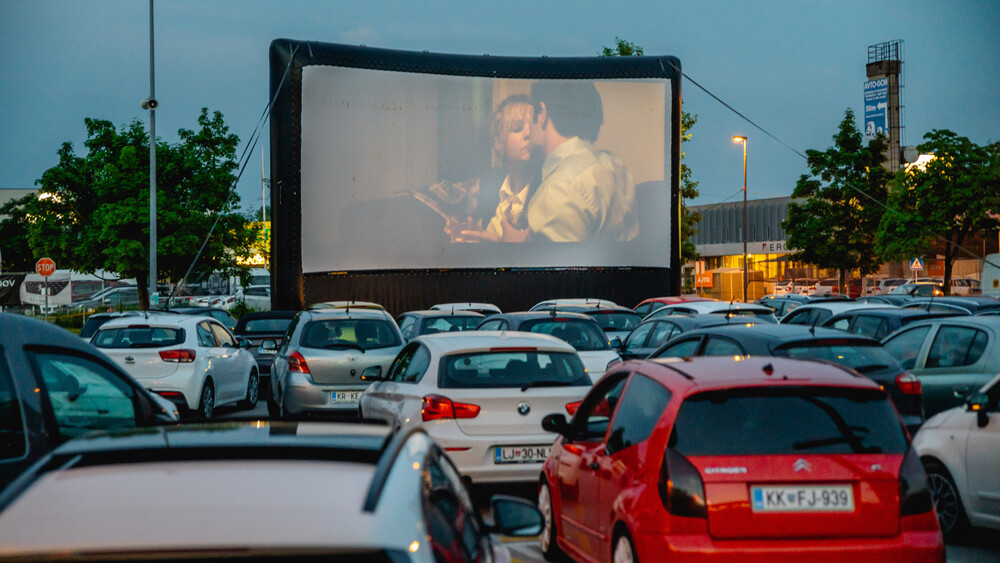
(618, 321)
(591, 421)
(640, 410)
(956, 346)
(584, 336)
(683, 349)
(265, 326)
(406, 324)
(456, 533)
(719, 346)
(514, 368)
(905, 345)
(800, 317)
(450, 324)
(840, 324)
(643, 309)
(637, 339)
(661, 333)
(222, 336)
(415, 366)
(12, 433)
(869, 325)
(205, 337)
(286, 340)
(864, 356)
(84, 395)
(138, 337)
(496, 324)
(366, 334)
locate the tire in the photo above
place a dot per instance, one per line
(947, 503)
(624, 550)
(253, 391)
(206, 405)
(547, 539)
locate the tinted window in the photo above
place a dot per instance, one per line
(450, 324)
(591, 422)
(406, 324)
(349, 333)
(138, 337)
(905, 345)
(800, 317)
(617, 321)
(205, 336)
(718, 346)
(411, 365)
(641, 408)
(860, 356)
(661, 333)
(643, 309)
(222, 336)
(264, 326)
(956, 346)
(682, 349)
(637, 339)
(769, 421)
(511, 369)
(867, 325)
(493, 325)
(12, 437)
(584, 336)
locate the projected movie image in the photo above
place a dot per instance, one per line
(402, 170)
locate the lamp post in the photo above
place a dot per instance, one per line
(742, 139)
(150, 104)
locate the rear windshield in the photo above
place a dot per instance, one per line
(616, 321)
(855, 355)
(799, 420)
(364, 334)
(451, 324)
(138, 337)
(264, 326)
(582, 335)
(512, 369)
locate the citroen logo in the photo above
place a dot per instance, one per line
(802, 465)
(523, 408)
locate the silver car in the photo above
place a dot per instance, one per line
(318, 367)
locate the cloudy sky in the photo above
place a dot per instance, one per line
(792, 67)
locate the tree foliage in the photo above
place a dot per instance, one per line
(92, 211)
(954, 195)
(844, 194)
(17, 256)
(689, 187)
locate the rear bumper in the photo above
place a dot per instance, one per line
(186, 380)
(473, 455)
(300, 399)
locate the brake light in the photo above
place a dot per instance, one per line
(296, 363)
(681, 489)
(571, 408)
(178, 356)
(908, 384)
(436, 407)
(914, 494)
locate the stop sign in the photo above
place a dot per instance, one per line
(45, 267)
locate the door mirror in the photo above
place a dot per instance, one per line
(556, 423)
(616, 343)
(372, 373)
(244, 343)
(269, 346)
(168, 413)
(515, 517)
(979, 402)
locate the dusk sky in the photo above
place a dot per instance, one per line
(792, 67)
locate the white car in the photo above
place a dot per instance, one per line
(753, 311)
(195, 362)
(481, 395)
(960, 450)
(549, 303)
(814, 314)
(481, 308)
(193, 493)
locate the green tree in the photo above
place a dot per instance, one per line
(689, 188)
(951, 197)
(92, 211)
(16, 254)
(835, 225)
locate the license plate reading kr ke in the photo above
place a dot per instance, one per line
(345, 396)
(821, 498)
(520, 454)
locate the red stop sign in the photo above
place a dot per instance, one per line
(45, 267)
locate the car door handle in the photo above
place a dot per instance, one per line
(961, 391)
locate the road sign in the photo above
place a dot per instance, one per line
(916, 264)
(45, 267)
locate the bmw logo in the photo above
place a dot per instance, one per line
(523, 408)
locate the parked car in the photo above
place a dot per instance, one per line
(481, 308)
(919, 289)
(896, 300)
(481, 395)
(647, 306)
(784, 304)
(731, 459)
(860, 353)
(880, 323)
(414, 323)
(95, 321)
(958, 448)
(616, 321)
(886, 285)
(752, 311)
(570, 301)
(814, 314)
(257, 297)
(317, 369)
(806, 286)
(966, 286)
(192, 361)
(194, 493)
(216, 313)
(651, 334)
(112, 299)
(54, 387)
(951, 357)
(264, 331)
(971, 305)
(346, 305)
(579, 330)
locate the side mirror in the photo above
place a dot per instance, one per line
(978, 402)
(556, 423)
(244, 343)
(515, 517)
(372, 373)
(616, 343)
(168, 413)
(269, 346)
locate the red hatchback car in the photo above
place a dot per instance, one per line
(731, 458)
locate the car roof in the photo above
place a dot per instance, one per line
(479, 340)
(530, 315)
(587, 308)
(675, 299)
(778, 334)
(716, 306)
(345, 313)
(983, 321)
(728, 372)
(573, 301)
(345, 305)
(466, 306)
(899, 312)
(691, 322)
(438, 313)
(19, 330)
(842, 306)
(157, 318)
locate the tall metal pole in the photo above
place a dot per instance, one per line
(263, 190)
(744, 218)
(152, 162)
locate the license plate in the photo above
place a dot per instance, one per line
(819, 498)
(345, 396)
(521, 454)
(269, 351)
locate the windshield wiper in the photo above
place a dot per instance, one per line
(340, 345)
(545, 383)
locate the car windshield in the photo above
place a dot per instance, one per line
(797, 420)
(616, 321)
(138, 337)
(861, 356)
(263, 326)
(515, 368)
(363, 334)
(582, 335)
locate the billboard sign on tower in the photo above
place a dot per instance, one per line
(876, 108)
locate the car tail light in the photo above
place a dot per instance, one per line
(179, 356)
(681, 489)
(914, 494)
(908, 384)
(571, 408)
(436, 407)
(296, 363)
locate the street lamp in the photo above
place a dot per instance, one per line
(150, 104)
(743, 139)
